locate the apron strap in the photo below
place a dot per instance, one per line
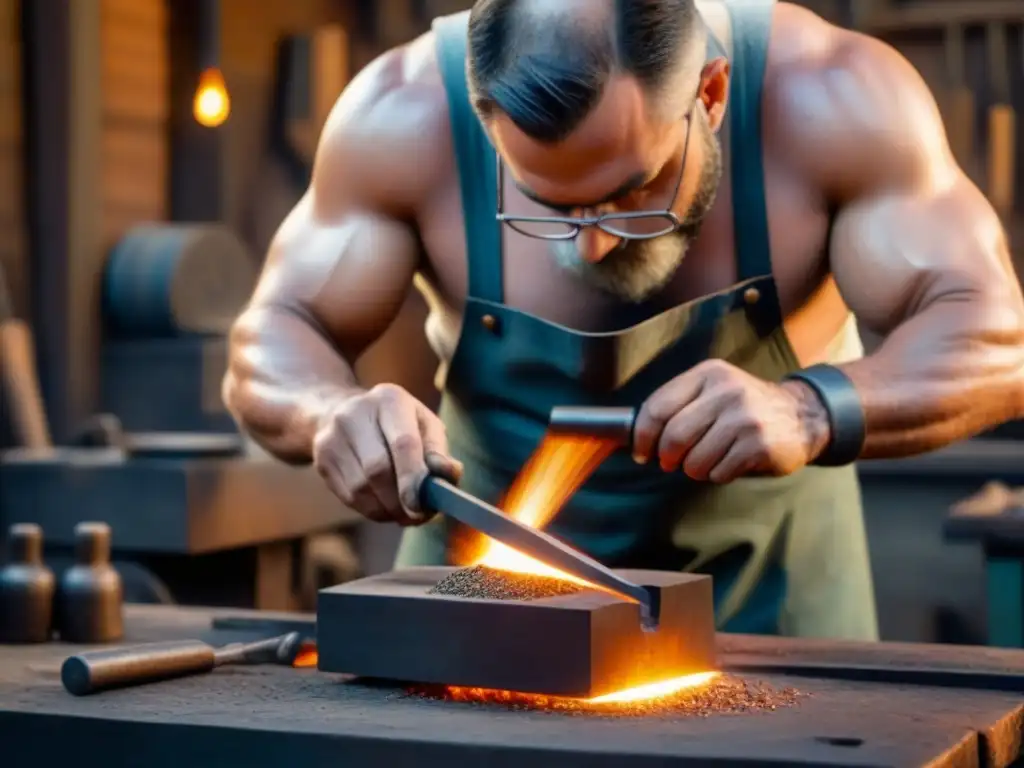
(476, 162)
(751, 32)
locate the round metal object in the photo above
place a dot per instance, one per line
(165, 279)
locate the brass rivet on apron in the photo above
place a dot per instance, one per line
(751, 295)
(490, 322)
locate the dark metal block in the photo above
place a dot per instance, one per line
(580, 645)
(182, 374)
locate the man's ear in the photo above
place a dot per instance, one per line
(714, 90)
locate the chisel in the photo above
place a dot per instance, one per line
(88, 673)
(440, 496)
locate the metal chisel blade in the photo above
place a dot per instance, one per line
(439, 495)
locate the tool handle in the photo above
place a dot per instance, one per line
(88, 673)
(18, 364)
(431, 495)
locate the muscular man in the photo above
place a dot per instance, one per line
(656, 202)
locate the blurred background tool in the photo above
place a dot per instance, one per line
(20, 381)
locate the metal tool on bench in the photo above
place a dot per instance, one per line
(439, 495)
(96, 671)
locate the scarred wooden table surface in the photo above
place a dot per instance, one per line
(269, 716)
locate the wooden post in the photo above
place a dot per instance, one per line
(860, 13)
(329, 71)
(958, 103)
(65, 212)
(1002, 126)
(196, 178)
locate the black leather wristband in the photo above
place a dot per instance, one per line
(845, 413)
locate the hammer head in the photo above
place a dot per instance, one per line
(607, 423)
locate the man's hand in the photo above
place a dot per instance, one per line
(720, 423)
(375, 449)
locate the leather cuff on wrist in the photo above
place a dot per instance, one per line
(845, 413)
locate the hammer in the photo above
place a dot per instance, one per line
(614, 424)
(19, 378)
(88, 673)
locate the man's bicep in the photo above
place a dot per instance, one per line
(346, 254)
(911, 227)
(349, 276)
(896, 252)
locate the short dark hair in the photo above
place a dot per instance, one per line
(548, 74)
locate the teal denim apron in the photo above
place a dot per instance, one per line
(787, 555)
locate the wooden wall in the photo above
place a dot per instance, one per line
(258, 192)
(251, 32)
(135, 114)
(12, 210)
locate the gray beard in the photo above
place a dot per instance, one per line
(638, 269)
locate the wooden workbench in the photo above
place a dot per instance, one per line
(269, 716)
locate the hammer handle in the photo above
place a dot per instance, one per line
(96, 671)
(18, 364)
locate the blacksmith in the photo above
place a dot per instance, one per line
(685, 205)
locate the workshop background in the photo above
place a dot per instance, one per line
(148, 150)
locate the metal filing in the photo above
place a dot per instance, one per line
(438, 495)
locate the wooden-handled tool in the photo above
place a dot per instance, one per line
(20, 382)
(96, 671)
(1002, 124)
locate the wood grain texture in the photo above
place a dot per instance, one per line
(135, 155)
(1002, 158)
(13, 250)
(261, 716)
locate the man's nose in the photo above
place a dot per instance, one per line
(594, 244)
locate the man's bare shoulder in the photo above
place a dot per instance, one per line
(848, 111)
(389, 133)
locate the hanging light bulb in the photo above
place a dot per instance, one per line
(211, 104)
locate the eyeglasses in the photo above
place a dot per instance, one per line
(630, 225)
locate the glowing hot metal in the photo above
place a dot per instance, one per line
(439, 495)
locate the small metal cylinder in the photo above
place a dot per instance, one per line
(25, 541)
(607, 423)
(90, 595)
(92, 543)
(27, 587)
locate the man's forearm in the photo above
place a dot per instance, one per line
(950, 372)
(283, 375)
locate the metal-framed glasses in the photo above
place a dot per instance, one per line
(628, 225)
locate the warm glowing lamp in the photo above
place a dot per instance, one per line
(211, 105)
